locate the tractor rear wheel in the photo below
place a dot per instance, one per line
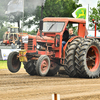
(88, 58)
(70, 57)
(43, 65)
(30, 68)
(54, 67)
(13, 62)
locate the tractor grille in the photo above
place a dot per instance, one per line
(30, 44)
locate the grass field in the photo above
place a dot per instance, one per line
(3, 65)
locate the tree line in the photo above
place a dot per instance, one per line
(52, 8)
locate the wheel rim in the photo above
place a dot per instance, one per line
(44, 66)
(92, 58)
(15, 62)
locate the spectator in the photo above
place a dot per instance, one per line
(19, 42)
(13, 45)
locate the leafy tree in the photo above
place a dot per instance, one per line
(95, 14)
(54, 8)
(33, 32)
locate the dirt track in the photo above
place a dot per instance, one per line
(21, 86)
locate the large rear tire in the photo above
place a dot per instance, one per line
(13, 62)
(43, 65)
(70, 57)
(30, 68)
(88, 56)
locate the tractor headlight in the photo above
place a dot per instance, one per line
(37, 46)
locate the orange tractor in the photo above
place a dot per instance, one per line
(12, 34)
(42, 54)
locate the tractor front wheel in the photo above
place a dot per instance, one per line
(30, 68)
(43, 65)
(13, 62)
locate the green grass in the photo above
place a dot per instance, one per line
(3, 65)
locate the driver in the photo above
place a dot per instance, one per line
(65, 38)
(71, 34)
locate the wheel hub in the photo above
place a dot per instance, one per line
(92, 58)
(44, 66)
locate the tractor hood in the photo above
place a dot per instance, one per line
(42, 39)
(47, 39)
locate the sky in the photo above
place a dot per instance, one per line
(92, 3)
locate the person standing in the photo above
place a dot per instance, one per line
(19, 42)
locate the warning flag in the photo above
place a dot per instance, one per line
(80, 13)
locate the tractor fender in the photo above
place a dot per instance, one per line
(70, 40)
